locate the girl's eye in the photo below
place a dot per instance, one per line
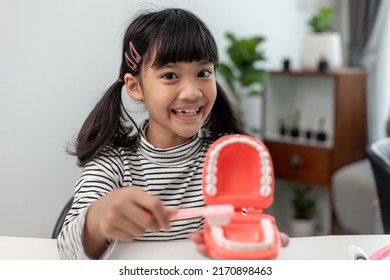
(204, 74)
(169, 76)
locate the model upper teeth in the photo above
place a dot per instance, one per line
(189, 112)
(266, 179)
(264, 188)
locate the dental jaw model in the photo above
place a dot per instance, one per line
(238, 183)
(238, 170)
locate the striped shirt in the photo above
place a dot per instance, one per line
(174, 175)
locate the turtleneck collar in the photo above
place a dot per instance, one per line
(173, 155)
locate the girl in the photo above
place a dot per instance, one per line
(133, 176)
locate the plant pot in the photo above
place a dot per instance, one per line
(252, 114)
(321, 136)
(282, 130)
(294, 132)
(319, 46)
(322, 66)
(302, 227)
(308, 134)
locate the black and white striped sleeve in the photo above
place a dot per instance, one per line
(99, 177)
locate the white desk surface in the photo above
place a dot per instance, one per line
(332, 247)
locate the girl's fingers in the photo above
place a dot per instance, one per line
(155, 207)
(140, 217)
(169, 211)
(130, 227)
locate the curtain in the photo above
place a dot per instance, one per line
(368, 36)
(362, 15)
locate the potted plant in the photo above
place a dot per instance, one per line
(304, 209)
(323, 43)
(282, 126)
(295, 127)
(321, 134)
(242, 74)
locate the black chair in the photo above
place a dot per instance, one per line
(61, 219)
(378, 153)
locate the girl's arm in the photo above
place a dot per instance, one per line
(100, 204)
(122, 215)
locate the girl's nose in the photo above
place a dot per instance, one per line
(190, 91)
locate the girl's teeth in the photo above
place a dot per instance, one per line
(192, 112)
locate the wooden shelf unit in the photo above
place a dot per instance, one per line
(337, 96)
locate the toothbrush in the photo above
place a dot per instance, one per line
(215, 214)
(381, 253)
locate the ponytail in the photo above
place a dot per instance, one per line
(103, 127)
(223, 118)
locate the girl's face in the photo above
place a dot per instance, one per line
(179, 97)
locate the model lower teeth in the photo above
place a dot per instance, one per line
(217, 233)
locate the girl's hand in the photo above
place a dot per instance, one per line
(198, 238)
(122, 214)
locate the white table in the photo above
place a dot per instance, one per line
(21, 248)
(332, 247)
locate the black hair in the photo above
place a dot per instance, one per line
(173, 35)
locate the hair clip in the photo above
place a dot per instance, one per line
(134, 59)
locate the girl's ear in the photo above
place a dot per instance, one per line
(133, 87)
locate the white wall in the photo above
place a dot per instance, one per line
(56, 59)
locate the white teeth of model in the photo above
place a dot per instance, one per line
(265, 191)
(211, 169)
(268, 230)
(264, 155)
(265, 162)
(266, 180)
(213, 155)
(211, 190)
(218, 233)
(266, 170)
(211, 179)
(266, 226)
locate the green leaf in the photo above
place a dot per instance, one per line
(252, 76)
(243, 69)
(322, 21)
(304, 206)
